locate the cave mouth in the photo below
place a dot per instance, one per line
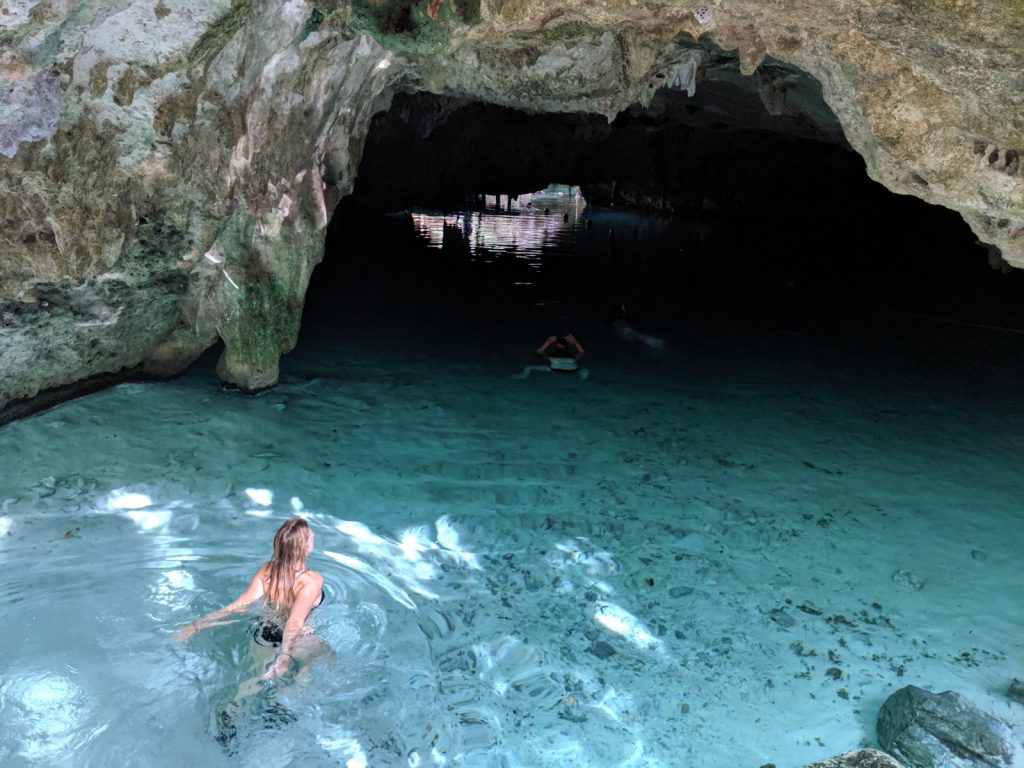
(700, 213)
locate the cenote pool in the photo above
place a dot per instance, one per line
(726, 551)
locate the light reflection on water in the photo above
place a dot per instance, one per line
(528, 228)
(405, 685)
(513, 577)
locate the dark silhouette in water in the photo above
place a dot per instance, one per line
(625, 331)
(562, 354)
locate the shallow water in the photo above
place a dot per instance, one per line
(725, 552)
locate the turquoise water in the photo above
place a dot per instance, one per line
(727, 551)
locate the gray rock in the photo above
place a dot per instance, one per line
(1016, 690)
(908, 580)
(861, 758)
(782, 618)
(601, 649)
(30, 111)
(944, 730)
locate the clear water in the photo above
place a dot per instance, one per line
(727, 552)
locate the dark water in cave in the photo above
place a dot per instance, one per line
(920, 298)
(790, 488)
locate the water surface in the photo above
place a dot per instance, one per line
(725, 552)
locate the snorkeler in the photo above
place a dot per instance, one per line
(564, 349)
(292, 591)
(625, 331)
(562, 354)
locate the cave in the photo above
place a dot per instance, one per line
(762, 214)
(602, 385)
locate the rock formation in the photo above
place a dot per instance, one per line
(168, 167)
(944, 730)
(861, 758)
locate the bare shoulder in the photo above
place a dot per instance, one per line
(262, 577)
(310, 580)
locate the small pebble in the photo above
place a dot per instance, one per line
(782, 618)
(601, 649)
(907, 580)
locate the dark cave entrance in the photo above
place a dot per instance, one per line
(774, 218)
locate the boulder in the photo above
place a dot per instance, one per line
(861, 758)
(944, 730)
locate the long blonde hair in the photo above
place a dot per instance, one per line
(289, 560)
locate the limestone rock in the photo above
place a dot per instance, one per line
(944, 730)
(194, 150)
(861, 758)
(31, 110)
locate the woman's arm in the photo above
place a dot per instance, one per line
(575, 343)
(544, 347)
(251, 594)
(309, 592)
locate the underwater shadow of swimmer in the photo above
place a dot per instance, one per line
(261, 710)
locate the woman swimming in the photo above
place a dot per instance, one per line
(291, 591)
(562, 354)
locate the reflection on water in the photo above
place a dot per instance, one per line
(49, 712)
(421, 676)
(529, 227)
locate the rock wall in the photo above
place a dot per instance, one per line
(167, 167)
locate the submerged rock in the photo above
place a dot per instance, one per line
(908, 580)
(1016, 690)
(780, 617)
(601, 649)
(861, 758)
(944, 730)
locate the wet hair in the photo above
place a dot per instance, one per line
(290, 543)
